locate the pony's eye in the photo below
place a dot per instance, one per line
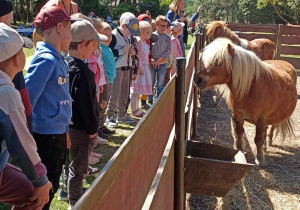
(218, 63)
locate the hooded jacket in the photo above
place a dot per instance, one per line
(15, 138)
(83, 93)
(48, 87)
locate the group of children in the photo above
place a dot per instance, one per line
(104, 71)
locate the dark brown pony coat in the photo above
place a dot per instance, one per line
(263, 48)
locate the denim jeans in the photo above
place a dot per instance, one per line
(158, 76)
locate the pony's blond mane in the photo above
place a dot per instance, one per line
(244, 67)
(219, 29)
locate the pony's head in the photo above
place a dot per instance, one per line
(223, 62)
(215, 64)
(217, 29)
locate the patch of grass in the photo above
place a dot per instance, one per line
(114, 143)
(189, 44)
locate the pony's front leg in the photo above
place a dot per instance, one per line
(238, 125)
(259, 141)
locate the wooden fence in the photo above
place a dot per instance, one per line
(286, 38)
(147, 170)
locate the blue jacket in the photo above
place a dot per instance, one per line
(48, 87)
(15, 138)
(109, 63)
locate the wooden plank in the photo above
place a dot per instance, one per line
(212, 177)
(126, 179)
(210, 151)
(291, 30)
(250, 37)
(279, 42)
(189, 71)
(253, 28)
(161, 194)
(290, 50)
(294, 61)
(290, 40)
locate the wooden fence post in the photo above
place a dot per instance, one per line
(197, 65)
(279, 42)
(179, 201)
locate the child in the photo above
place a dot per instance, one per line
(159, 55)
(110, 71)
(6, 16)
(85, 121)
(48, 87)
(32, 186)
(97, 66)
(143, 83)
(176, 51)
(122, 48)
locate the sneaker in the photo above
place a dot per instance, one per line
(96, 155)
(101, 141)
(126, 119)
(93, 160)
(62, 196)
(138, 113)
(102, 135)
(145, 106)
(111, 122)
(92, 171)
(83, 190)
(107, 131)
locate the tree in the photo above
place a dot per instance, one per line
(287, 10)
(87, 6)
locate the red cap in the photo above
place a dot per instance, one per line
(49, 17)
(142, 17)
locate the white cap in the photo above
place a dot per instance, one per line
(11, 42)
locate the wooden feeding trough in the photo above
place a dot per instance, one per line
(213, 170)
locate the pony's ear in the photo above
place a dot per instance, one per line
(230, 50)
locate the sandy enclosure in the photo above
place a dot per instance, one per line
(274, 187)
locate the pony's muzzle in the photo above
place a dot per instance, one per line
(200, 82)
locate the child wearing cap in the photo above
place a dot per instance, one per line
(85, 119)
(29, 188)
(176, 51)
(160, 51)
(48, 87)
(68, 6)
(6, 16)
(122, 46)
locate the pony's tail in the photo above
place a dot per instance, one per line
(286, 129)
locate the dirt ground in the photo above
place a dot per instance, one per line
(274, 187)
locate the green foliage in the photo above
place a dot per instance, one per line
(100, 9)
(120, 9)
(286, 10)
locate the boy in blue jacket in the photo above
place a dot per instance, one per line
(48, 86)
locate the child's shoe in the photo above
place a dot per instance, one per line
(138, 113)
(111, 122)
(107, 131)
(93, 160)
(126, 119)
(101, 141)
(62, 196)
(95, 155)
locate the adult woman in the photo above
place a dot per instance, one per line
(174, 15)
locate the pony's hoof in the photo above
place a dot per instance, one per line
(260, 164)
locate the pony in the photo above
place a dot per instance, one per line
(260, 92)
(263, 48)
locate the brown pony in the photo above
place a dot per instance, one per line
(260, 92)
(263, 48)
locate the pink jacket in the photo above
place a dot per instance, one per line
(96, 65)
(175, 52)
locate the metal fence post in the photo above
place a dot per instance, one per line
(179, 201)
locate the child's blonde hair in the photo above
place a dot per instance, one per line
(106, 26)
(144, 24)
(98, 24)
